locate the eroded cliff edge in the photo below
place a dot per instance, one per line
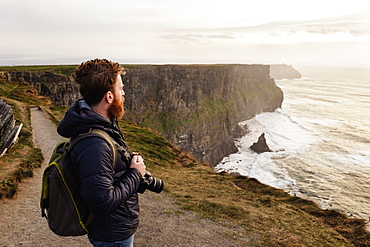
(196, 107)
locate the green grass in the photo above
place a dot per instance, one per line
(57, 69)
(216, 105)
(21, 92)
(167, 121)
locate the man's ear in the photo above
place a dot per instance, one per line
(109, 97)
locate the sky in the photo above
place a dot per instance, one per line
(324, 32)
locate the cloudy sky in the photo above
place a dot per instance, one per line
(185, 31)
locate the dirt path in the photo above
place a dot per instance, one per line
(163, 223)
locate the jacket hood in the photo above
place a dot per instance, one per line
(80, 118)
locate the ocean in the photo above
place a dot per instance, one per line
(320, 138)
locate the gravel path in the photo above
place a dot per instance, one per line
(163, 223)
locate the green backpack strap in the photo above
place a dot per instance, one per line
(97, 133)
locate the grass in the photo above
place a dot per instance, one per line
(264, 215)
(167, 121)
(57, 69)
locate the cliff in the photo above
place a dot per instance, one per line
(61, 89)
(196, 107)
(284, 71)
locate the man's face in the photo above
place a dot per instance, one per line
(116, 109)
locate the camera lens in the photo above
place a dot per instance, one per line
(155, 184)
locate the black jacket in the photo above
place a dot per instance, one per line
(110, 195)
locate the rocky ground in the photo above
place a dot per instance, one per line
(163, 223)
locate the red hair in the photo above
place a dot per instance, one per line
(96, 77)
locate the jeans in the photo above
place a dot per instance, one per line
(128, 242)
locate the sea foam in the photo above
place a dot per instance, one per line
(284, 135)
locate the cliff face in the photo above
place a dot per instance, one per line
(199, 107)
(196, 107)
(61, 89)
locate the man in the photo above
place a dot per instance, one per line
(110, 194)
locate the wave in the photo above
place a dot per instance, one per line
(285, 135)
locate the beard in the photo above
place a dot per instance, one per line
(116, 110)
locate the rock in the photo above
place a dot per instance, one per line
(261, 146)
(8, 130)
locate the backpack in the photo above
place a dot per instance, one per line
(61, 203)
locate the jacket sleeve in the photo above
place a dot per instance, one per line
(99, 189)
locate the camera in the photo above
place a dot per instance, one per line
(151, 183)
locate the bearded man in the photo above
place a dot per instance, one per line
(109, 192)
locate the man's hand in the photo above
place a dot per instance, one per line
(137, 162)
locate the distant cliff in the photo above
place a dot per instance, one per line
(284, 71)
(196, 107)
